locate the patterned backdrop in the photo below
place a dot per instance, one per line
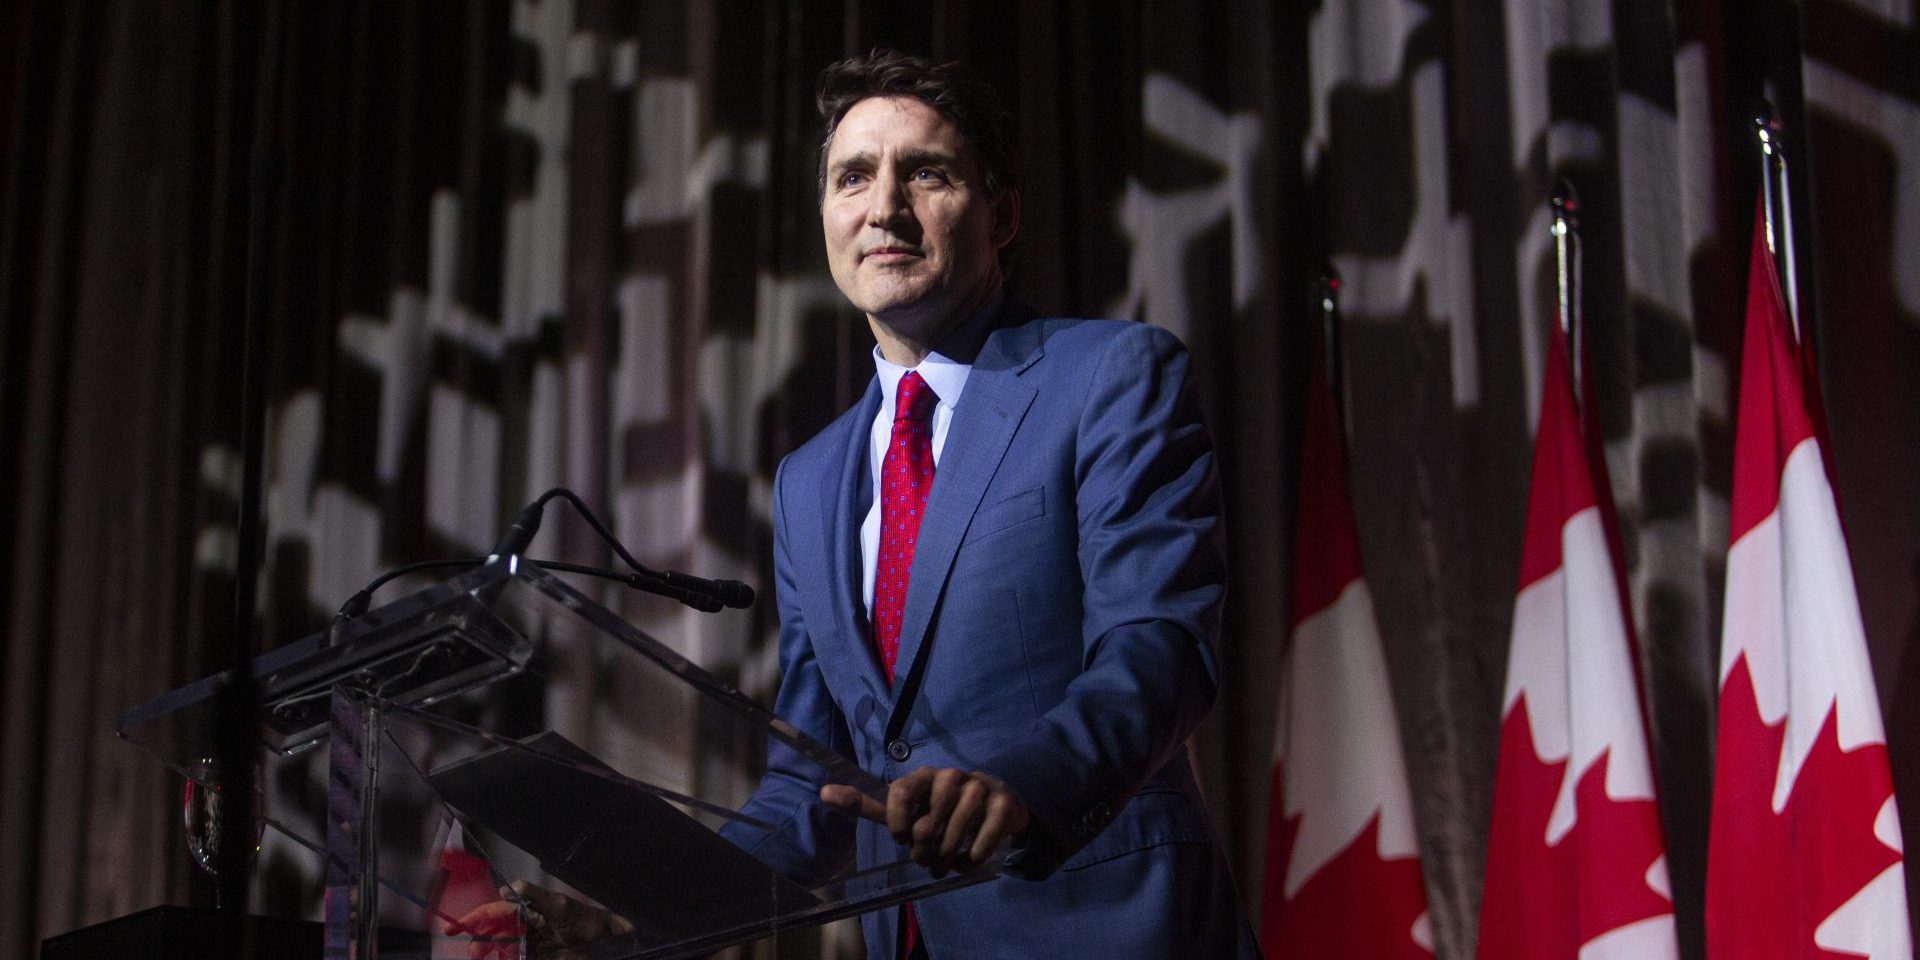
(574, 242)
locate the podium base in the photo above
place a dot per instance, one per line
(194, 933)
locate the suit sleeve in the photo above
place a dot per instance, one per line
(1152, 558)
(811, 842)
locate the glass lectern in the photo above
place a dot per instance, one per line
(502, 726)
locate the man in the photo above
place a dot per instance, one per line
(1000, 574)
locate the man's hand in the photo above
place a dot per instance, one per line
(557, 925)
(936, 810)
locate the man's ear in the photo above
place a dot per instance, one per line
(1006, 218)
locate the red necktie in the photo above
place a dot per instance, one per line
(906, 474)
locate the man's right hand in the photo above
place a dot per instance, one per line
(952, 819)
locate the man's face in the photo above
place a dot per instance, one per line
(912, 234)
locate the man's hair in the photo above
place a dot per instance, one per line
(958, 94)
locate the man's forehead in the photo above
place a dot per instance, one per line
(896, 123)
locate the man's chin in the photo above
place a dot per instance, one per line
(923, 322)
(892, 294)
(898, 308)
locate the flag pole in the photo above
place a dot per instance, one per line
(1773, 162)
(1565, 204)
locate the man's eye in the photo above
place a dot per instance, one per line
(851, 180)
(928, 174)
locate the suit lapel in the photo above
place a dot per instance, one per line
(983, 425)
(842, 488)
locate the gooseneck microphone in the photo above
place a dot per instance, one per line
(700, 593)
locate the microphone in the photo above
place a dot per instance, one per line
(697, 592)
(707, 596)
(731, 593)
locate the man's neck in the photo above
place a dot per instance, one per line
(958, 339)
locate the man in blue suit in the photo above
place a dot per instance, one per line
(1000, 574)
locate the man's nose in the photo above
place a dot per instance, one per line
(887, 201)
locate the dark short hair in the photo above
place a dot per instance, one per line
(959, 95)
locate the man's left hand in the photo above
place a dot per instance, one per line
(936, 810)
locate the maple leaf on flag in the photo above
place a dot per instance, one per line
(1809, 858)
(1590, 882)
(1368, 905)
(1804, 853)
(1576, 859)
(1343, 870)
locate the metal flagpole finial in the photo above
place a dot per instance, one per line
(1764, 128)
(1766, 125)
(1327, 296)
(1565, 204)
(1779, 215)
(1327, 289)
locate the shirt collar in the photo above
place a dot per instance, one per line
(947, 377)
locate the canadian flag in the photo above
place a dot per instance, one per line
(1576, 861)
(1804, 854)
(1343, 867)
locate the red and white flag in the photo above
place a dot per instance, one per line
(1576, 860)
(1804, 853)
(1343, 866)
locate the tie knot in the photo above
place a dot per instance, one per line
(914, 400)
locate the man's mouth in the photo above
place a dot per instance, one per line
(891, 254)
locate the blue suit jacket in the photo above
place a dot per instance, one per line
(1059, 634)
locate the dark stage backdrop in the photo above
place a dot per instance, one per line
(522, 244)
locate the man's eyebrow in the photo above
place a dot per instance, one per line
(852, 160)
(906, 158)
(926, 158)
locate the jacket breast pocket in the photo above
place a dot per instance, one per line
(1007, 512)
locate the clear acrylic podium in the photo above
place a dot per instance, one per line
(444, 780)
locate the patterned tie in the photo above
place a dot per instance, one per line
(905, 477)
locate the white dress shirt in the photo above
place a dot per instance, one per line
(948, 378)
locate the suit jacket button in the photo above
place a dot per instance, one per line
(899, 750)
(1091, 821)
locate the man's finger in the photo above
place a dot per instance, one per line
(948, 787)
(850, 799)
(1001, 822)
(494, 928)
(487, 919)
(903, 802)
(966, 817)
